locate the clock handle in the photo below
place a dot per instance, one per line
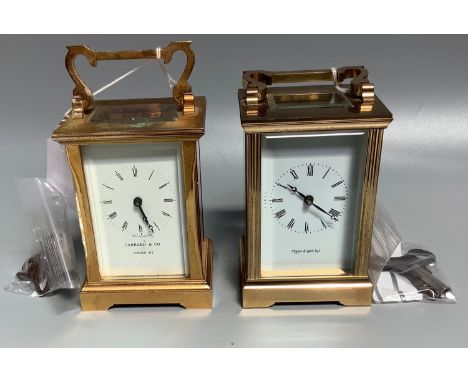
(83, 99)
(256, 82)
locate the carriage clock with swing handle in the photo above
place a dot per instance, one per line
(312, 156)
(135, 166)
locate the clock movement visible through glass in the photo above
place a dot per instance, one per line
(138, 209)
(311, 196)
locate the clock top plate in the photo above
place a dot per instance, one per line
(311, 105)
(133, 120)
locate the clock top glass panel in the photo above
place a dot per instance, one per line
(311, 185)
(324, 100)
(110, 120)
(135, 113)
(137, 204)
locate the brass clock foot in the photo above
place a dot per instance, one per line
(202, 301)
(264, 294)
(91, 302)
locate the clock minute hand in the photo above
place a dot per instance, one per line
(279, 184)
(145, 219)
(325, 212)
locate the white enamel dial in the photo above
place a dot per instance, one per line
(157, 198)
(311, 190)
(136, 198)
(308, 198)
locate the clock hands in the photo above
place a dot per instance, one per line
(294, 189)
(279, 184)
(137, 202)
(325, 212)
(309, 200)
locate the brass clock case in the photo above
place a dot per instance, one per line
(178, 119)
(297, 109)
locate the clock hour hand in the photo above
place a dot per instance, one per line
(137, 202)
(294, 189)
(308, 199)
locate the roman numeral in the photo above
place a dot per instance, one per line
(166, 214)
(326, 173)
(293, 173)
(279, 200)
(337, 183)
(140, 228)
(112, 215)
(124, 225)
(106, 202)
(105, 185)
(334, 213)
(310, 169)
(323, 224)
(291, 223)
(134, 170)
(168, 200)
(306, 227)
(156, 226)
(118, 175)
(280, 213)
(340, 198)
(152, 172)
(164, 185)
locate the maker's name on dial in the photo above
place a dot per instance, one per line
(143, 244)
(305, 251)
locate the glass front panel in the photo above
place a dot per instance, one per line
(311, 188)
(137, 206)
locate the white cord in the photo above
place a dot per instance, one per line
(335, 79)
(160, 61)
(170, 80)
(112, 83)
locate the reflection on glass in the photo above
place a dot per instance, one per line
(143, 113)
(333, 99)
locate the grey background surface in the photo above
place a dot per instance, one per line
(423, 185)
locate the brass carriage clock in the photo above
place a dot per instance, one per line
(136, 173)
(312, 163)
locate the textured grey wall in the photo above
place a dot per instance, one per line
(424, 165)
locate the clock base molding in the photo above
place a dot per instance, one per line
(267, 294)
(189, 294)
(264, 293)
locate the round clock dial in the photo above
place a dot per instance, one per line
(308, 198)
(138, 200)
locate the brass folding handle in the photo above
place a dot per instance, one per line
(82, 95)
(256, 82)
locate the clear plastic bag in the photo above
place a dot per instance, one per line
(402, 271)
(54, 266)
